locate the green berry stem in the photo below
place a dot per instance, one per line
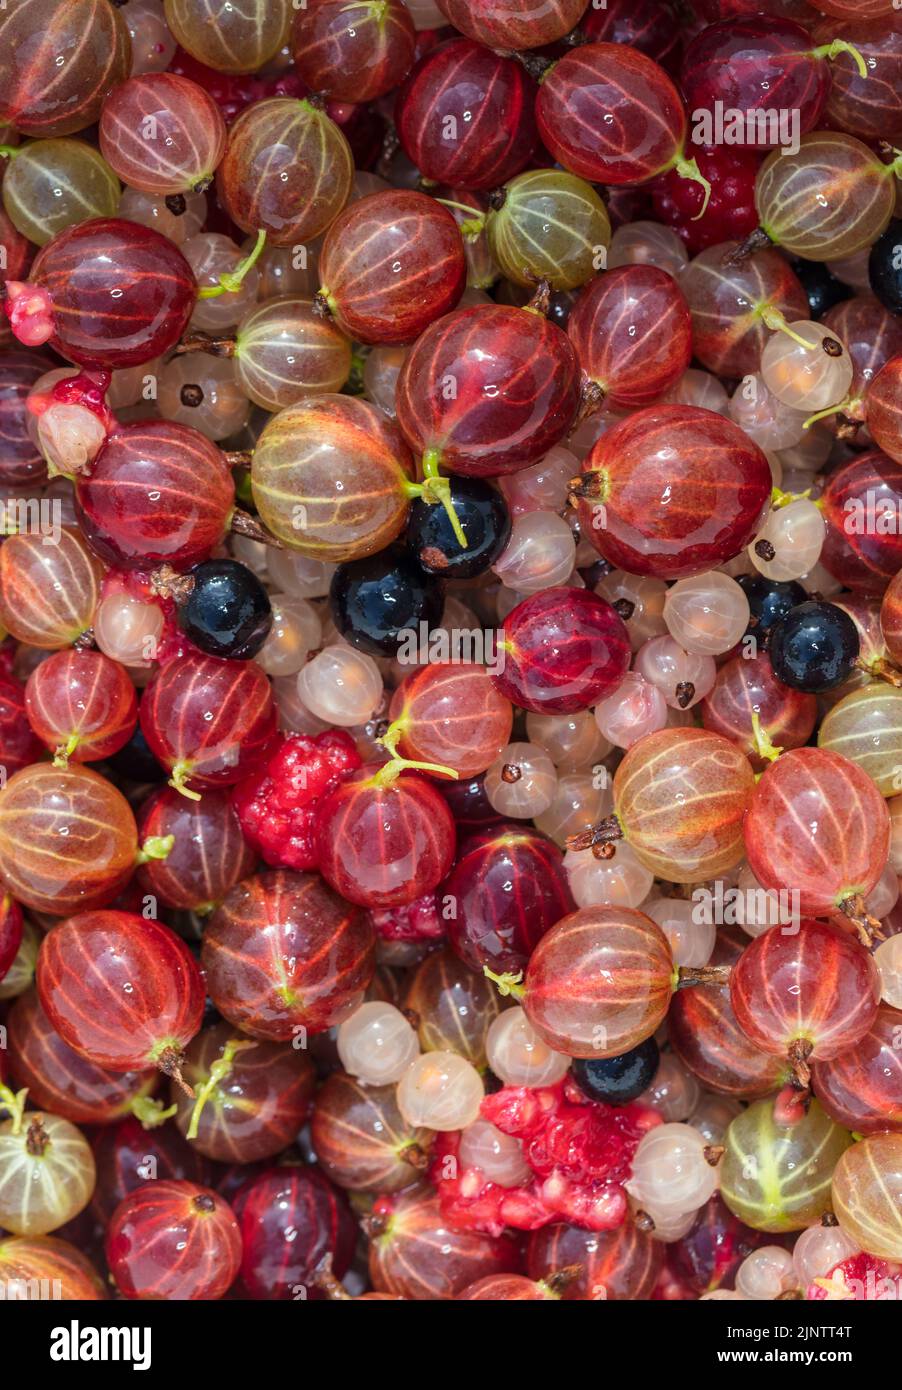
(231, 281)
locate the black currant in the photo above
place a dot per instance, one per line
(617, 1080)
(822, 288)
(815, 647)
(227, 611)
(377, 600)
(484, 519)
(770, 600)
(885, 267)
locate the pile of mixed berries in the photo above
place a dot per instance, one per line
(451, 649)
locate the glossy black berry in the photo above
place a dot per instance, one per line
(885, 267)
(484, 519)
(383, 600)
(822, 288)
(617, 1080)
(814, 648)
(227, 612)
(770, 601)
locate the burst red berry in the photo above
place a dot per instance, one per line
(277, 806)
(580, 1153)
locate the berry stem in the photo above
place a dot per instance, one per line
(393, 769)
(506, 984)
(688, 169)
(155, 847)
(65, 750)
(882, 669)
(868, 927)
(823, 414)
(763, 745)
(219, 1071)
(231, 281)
(758, 240)
(779, 498)
(181, 771)
(9, 151)
(243, 524)
(168, 1056)
(36, 1138)
(687, 976)
(459, 207)
(150, 1113)
(798, 1053)
(205, 342)
(776, 321)
(833, 50)
(591, 399)
(604, 833)
(14, 1102)
(326, 1282)
(541, 299)
(436, 491)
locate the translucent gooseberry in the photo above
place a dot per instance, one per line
(352, 53)
(81, 705)
(42, 805)
(672, 490)
(516, 393)
(30, 1263)
(173, 1240)
(507, 889)
(598, 983)
(50, 185)
(546, 224)
(287, 170)
(382, 839)
(208, 721)
(563, 650)
(285, 956)
(632, 332)
(61, 1080)
(706, 1036)
(749, 706)
(859, 1088)
(391, 264)
(122, 990)
(817, 824)
(252, 1096)
(209, 854)
(831, 198)
(48, 1173)
(777, 1177)
(863, 726)
(48, 593)
(680, 796)
(61, 60)
(228, 38)
(611, 114)
(291, 1218)
(106, 293)
(489, 98)
(416, 1253)
(362, 1140)
(453, 1008)
(806, 993)
(867, 1184)
(734, 308)
(331, 477)
(162, 134)
(512, 24)
(452, 714)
